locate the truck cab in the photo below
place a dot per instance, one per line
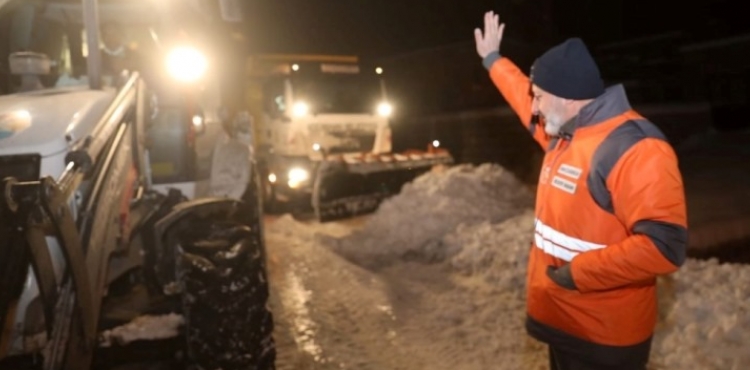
(315, 107)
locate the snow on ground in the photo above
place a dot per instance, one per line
(146, 327)
(706, 317)
(447, 258)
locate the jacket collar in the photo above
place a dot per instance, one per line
(612, 103)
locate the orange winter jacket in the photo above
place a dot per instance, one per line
(610, 202)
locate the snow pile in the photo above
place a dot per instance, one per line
(147, 327)
(412, 223)
(706, 323)
(704, 306)
(496, 252)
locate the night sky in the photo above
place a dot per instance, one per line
(383, 28)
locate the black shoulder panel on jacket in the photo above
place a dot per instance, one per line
(619, 141)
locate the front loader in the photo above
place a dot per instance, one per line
(84, 219)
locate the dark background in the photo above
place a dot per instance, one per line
(663, 51)
(385, 28)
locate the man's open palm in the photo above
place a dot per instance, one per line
(493, 35)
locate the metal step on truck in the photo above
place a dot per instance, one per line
(128, 191)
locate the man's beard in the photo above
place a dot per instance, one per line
(552, 124)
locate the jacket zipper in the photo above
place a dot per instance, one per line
(559, 149)
(562, 141)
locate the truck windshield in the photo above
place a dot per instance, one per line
(338, 92)
(53, 32)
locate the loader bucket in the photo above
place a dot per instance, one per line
(348, 186)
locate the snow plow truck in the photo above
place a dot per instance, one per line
(323, 138)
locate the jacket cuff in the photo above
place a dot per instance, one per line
(490, 59)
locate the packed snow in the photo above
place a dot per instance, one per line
(146, 327)
(447, 258)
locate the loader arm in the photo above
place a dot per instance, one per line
(78, 212)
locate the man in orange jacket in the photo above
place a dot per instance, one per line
(610, 212)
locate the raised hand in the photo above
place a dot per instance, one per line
(493, 35)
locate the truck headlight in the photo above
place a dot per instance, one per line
(300, 109)
(186, 64)
(297, 176)
(385, 109)
(199, 124)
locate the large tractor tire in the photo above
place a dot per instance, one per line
(210, 255)
(221, 270)
(224, 298)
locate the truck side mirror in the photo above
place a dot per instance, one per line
(29, 65)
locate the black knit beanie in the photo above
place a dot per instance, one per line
(567, 70)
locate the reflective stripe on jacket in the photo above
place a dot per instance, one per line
(610, 202)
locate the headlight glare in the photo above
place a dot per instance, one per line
(385, 109)
(186, 64)
(297, 176)
(300, 109)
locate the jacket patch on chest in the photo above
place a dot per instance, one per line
(564, 185)
(570, 171)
